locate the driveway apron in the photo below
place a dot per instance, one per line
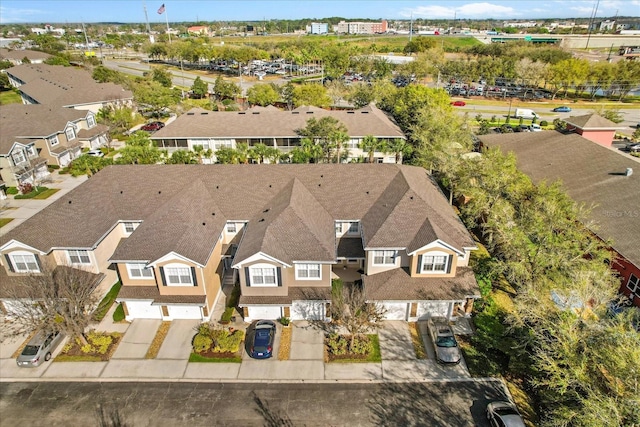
(395, 341)
(306, 342)
(136, 340)
(177, 343)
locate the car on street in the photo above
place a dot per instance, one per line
(152, 127)
(444, 341)
(263, 338)
(562, 109)
(522, 128)
(504, 414)
(39, 348)
(95, 153)
(534, 127)
(634, 148)
(458, 103)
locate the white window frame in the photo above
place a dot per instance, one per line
(232, 227)
(91, 121)
(18, 154)
(82, 256)
(128, 225)
(351, 232)
(53, 140)
(633, 284)
(264, 272)
(304, 271)
(31, 150)
(26, 258)
(72, 133)
(178, 275)
(431, 260)
(385, 255)
(144, 273)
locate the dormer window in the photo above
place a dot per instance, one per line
(70, 132)
(91, 121)
(232, 227)
(53, 140)
(434, 262)
(354, 228)
(18, 157)
(23, 262)
(385, 257)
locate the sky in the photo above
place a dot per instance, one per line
(74, 11)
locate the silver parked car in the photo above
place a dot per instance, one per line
(39, 349)
(504, 414)
(444, 341)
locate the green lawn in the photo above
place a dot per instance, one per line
(106, 302)
(10, 97)
(5, 221)
(195, 357)
(46, 193)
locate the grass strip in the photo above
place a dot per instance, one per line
(194, 357)
(416, 340)
(107, 302)
(161, 334)
(5, 221)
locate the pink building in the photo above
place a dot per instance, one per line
(594, 128)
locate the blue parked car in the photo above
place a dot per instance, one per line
(563, 109)
(263, 337)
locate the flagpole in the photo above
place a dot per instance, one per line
(166, 15)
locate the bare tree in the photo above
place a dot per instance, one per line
(350, 308)
(59, 299)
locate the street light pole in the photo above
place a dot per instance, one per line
(509, 113)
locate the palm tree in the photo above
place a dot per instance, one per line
(338, 138)
(369, 144)
(259, 152)
(242, 150)
(400, 148)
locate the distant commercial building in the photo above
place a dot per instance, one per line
(198, 30)
(362, 27)
(318, 28)
(519, 24)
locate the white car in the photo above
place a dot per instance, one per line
(95, 153)
(534, 127)
(444, 341)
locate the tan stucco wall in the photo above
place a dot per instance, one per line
(373, 269)
(212, 272)
(228, 237)
(289, 277)
(262, 290)
(127, 281)
(453, 259)
(6, 174)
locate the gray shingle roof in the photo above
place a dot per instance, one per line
(591, 174)
(65, 86)
(23, 122)
(591, 121)
(199, 123)
(18, 55)
(173, 201)
(398, 285)
(295, 294)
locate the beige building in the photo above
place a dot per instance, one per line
(174, 233)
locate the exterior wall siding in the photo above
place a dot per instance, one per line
(263, 290)
(453, 260)
(370, 269)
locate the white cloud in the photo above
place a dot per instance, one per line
(12, 15)
(470, 10)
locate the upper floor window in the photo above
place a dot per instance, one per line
(434, 263)
(139, 271)
(634, 284)
(18, 157)
(24, 262)
(232, 227)
(31, 150)
(178, 275)
(91, 121)
(354, 228)
(384, 257)
(308, 272)
(79, 257)
(53, 140)
(71, 133)
(262, 276)
(129, 227)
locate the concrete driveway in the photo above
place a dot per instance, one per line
(307, 342)
(177, 343)
(136, 340)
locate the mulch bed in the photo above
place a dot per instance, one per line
(213, 355)
(75, 351)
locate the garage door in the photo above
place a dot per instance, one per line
(434, 308)
(395, 310)
(143, 310)
(271, 313)
(65, 159)
(307, 310)
(14, 307)
(184, 312)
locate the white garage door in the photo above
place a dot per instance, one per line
(184, 312)
(270, 313)
(65, 159)
(395, 310)
(14, 307)
(307, 310)
(434, 308)
(143, 310)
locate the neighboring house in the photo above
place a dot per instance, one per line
(594, 175)
(198, 30)
(593, 127)
(173, 233)
(273, 127)
(36, 135)
(66, 87)
(16, 56)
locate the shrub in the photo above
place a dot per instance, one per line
(53, 167)
(284, 321)
(227, 342)
(25, 188)
(12, 190)
(493, 119)
(227, 315)
(202, 343)
(337, 344)
(362, 345)
(544, 123)
(98, 342)
(118, 314)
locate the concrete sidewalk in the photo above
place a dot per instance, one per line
(306, 363)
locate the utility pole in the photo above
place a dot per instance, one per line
(411, 27)
(591, 22)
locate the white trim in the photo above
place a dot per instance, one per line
(437, 244)
(172, 256)
(263, 266)
(24, 254)
(298, 269)
(14, 244)
(396, 257)
(179, 272)
(258, 256)
(145, 267)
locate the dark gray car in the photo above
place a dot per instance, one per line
(504, 414)
(39, 348)
(444, 341)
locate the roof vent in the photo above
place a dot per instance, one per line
(295, 112)
(191, 114)
(367, 192)
(266, 210)
(256, 112)
(411, 197)
(204, 113)
(204, 223)
(159, 191)
(121, 191)
(364, 112)
(319, 185)
(269, 185)
(242, 112)
(309, 112)
(69, 201)
(321, 176)
(628, 172)
(213, 213)
(217, 187)
(261, 220)
(351, 112)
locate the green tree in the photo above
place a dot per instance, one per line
(140, 150)
(310, 94)
(225, 90)
(152, 95)
(199, 88)
(326, 132)
(262, 94)
(369, 144)
(119, 119)
(88, 165)
(419, 44)
(183, 157)
(161, 75)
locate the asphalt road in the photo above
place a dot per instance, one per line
(450, 404)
